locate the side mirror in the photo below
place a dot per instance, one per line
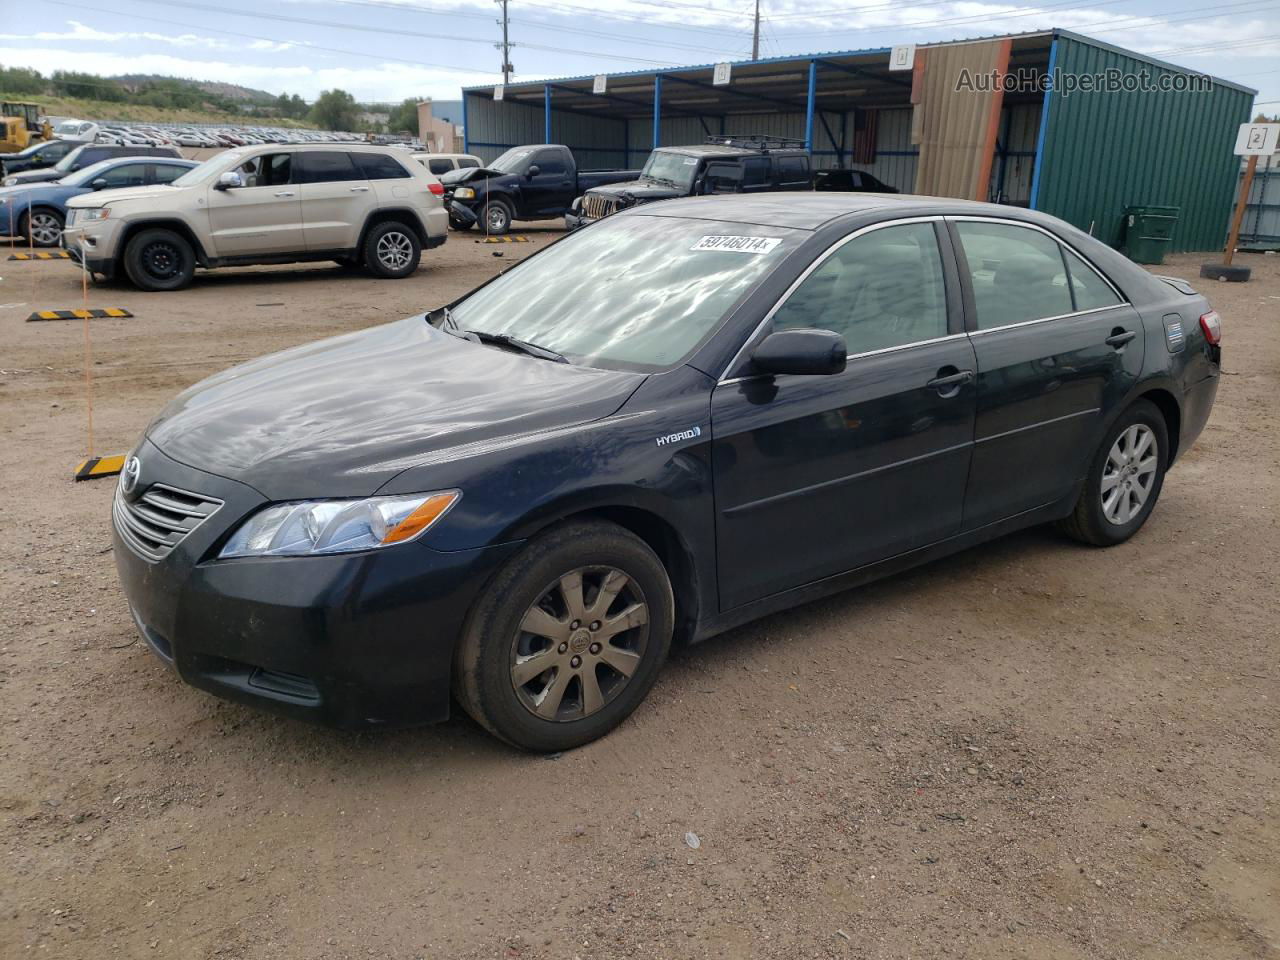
(99, 184)
(802, 352)
(75, 167)
(533, 171)
(229, 180)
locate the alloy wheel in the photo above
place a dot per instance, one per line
(395, 250)
(579, 644)
(45, 229)
(496, 218)
(1129, 474)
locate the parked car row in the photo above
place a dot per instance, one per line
(542, 181)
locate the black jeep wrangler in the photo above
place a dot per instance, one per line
(728, 164)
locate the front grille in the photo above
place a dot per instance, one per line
(160, 519)
(597, 207)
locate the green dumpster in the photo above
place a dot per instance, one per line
(1147, 231)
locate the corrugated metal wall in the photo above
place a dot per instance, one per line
(896, 155)
(1017, 158)
(495, 126)
(1260, 228)
(1106, 151)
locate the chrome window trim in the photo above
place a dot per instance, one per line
(1060, 316)
(866, 353)
(1052, 236)
(819, 261)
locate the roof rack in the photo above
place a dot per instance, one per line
(757, 142)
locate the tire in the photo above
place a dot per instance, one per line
(159, 260)
(496, 217)
(497, 651)
(1105, 521)
(391, 250)
(43, 227)
(1228, 274)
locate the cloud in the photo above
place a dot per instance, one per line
(81, 32)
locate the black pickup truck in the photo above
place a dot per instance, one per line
(727, 164)
(537, 182)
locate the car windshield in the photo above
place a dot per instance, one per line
(206, 170)
(672, 167)
(511, 161)
(632, 292)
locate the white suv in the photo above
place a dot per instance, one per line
(358, 205)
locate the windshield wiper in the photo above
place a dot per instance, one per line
(524, 346)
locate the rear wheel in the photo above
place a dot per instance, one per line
(44, 228)
(392, 251)
(567, 639)
(1124, 480)
(159, 260)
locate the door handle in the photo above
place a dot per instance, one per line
(948, 384)
(1120, 337)
(359, 189)
(285, 193)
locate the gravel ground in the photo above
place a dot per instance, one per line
(1032, 749)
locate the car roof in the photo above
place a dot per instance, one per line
(810, 210)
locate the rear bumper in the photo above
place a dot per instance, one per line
(347, 640)
(1197, 404)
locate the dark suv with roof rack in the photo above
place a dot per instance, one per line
(726, 164)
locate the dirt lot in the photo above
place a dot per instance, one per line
(1030, 750)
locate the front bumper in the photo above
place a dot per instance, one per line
(461, 213)
(93, 246)
(347, 640)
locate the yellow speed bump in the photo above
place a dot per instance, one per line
(78, 314)
(96, 467)
(54, 255)
(505, 240)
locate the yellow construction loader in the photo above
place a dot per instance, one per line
(20, 126)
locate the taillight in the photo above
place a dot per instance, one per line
(1211, 324)
(438, 189)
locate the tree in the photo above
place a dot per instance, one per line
(404, 118)
(21, 80)
(86, 86)
(334, 110)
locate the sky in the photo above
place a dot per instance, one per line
(389, 50)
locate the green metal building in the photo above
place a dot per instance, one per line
(1083, 155)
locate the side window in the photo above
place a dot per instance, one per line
(168, 172)
(267, 170)
(1017, 273)
(882, 289)
(92, 156)
(468, 162)
(1089, 289)
(325, 166)
(439, 166)
(379, 166)
(793, 169)
(57, 150)
(755, 171)
(126, 175)
(550, 162)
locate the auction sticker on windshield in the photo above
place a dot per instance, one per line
(738, 244)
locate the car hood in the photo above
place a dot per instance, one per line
(463, 174)
(642, 190)
(30, 191)
(37, 176)
(343, 416)
(98, 198)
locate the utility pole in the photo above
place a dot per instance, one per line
(755, 34)
(505, 45)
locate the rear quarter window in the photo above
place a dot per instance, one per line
(379, 166)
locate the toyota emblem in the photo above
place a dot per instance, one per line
(129, 475)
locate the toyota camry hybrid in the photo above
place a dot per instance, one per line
(681, 418)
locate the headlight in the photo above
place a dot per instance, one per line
(88, 216)
(10, 181)
(464, 193)
(316, 527)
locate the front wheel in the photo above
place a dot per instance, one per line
(497, 218)
(567, 639)
(1125, 478)
(159, 260)
(392, 251)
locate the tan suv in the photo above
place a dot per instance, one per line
(358, 205)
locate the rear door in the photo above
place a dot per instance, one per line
(1057, 349)
(336, 199)
(817, 475)
(261, 217)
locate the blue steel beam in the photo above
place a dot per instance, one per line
(546, 110)
(808, 105)
(657, 110)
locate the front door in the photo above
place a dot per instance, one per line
(1057, 349)
(551, 190)
(261, 217)
(818, 475)
(336, 199)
